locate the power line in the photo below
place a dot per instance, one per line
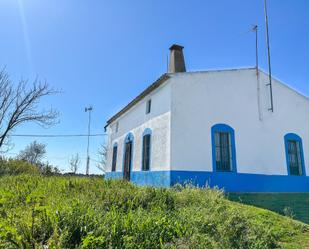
(59, 135)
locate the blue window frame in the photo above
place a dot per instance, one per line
(114, 158)
(146, 150)
(294, 154)
(223, 148)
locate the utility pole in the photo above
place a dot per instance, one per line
(89, 110)
(269, 62)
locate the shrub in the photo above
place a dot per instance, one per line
(15, 167)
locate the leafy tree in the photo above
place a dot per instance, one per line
(48, 169)
(34, 153)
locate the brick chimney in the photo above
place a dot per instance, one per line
(177, 60)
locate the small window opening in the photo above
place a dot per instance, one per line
(114, 161)
(148, 106)
(117, 127)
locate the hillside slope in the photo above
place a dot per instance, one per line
(71, 212)
(294, 204)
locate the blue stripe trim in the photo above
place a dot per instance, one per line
(230, 181)
(240, 182)
(152, 178)
(145, 178)
(114, 175)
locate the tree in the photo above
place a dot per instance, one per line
(19, 105)
(102, 152)
(74, 163)
(34, 153)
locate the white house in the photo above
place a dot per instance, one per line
(215, 128)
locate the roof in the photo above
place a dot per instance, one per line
(163, 78)
(148, 90)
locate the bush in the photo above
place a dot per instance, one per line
(15, 167)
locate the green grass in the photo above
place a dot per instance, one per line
(71, 212)
(293, 204)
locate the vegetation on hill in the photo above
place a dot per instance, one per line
(12, 166)
(72, 212)
(295, 205)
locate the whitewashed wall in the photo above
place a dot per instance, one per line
(136, 121)
(200, 100)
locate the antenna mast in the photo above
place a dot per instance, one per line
(89, 110)
(255, 30)
(269, 62)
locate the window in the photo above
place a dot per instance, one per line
(148, 106)
(146, 150)
(294, 154)
(114, 159)
(223, 148)
(117, 126)
(223, 151)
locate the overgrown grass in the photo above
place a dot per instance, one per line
(295, 205)
(71, 212)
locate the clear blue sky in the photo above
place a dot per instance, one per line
(104, 53)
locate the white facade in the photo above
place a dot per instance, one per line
(185, 108)
(135, 121)
(201, 100)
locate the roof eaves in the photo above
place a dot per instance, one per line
(148, 90)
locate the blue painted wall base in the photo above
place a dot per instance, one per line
(229, 181)
(145, 178)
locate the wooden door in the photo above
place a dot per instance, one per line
(127, 161)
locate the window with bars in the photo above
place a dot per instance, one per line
(146, 152)
(114, 159)
(223, 148)
(294, 154)
(223, 151)
(294, 157)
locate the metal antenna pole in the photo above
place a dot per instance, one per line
(255, 29)
(88, 109)
(269, 64)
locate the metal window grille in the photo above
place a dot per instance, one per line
(294, 157)
(223, 151)
(114, 158)
(146, 152)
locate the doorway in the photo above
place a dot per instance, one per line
(127, 158)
